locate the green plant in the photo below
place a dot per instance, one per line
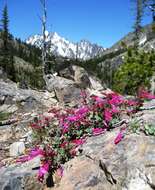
(136, 71)
(134, 126)
(149, 129)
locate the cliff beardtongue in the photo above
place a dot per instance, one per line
(118, 138)
(60, 136)
(33, 153)
(42, 171)
(79, 141)
(107, 115)
(98, 131)
(143, 94)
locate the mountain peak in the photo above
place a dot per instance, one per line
(60, 46)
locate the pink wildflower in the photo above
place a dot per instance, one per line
(98, 131)
(118, 138)
(63, 145)
(114, 109)
(24, 159)
(132, 102)
(115, 99)
(82, 110)
(34, 153)
(73, 152)
(36, 126)
(100, 101)
(73, 118)
(60, 171)
(65, 126)
(143, 94)
(42, 171)
(78, 141)
(107, 115)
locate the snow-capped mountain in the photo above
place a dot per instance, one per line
(59, 46)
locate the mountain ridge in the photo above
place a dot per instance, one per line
(59, 46)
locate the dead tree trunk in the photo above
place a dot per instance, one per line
(44, 47)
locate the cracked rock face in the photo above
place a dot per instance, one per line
(129, 165)
(104, 165)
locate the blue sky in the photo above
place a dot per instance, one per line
(100, 21)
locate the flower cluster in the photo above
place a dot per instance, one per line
(59, 134)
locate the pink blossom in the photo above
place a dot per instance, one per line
(114, 109)
(60, 171)
(116, 99)
(65, 126)
(98, 131)
(73, 118)
(99, 101)
(83, 94)
(132, 102)
(145, 95)
(63, 145)
(118, 138)
(73, 152)
(82, 111)
(36, 126)
(42, 171)
(23, 159)
(34, 153)
(107, 115)
(78, 141)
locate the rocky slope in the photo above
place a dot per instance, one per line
(101, 165)
(18, 107)
(59, 46)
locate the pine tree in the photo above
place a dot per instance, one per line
(5, 30)
(7, 59)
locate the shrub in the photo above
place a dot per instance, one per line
(136, 71)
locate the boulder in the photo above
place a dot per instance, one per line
(78, 74)
(17, 149)
(27, 100)
(96, 83)
(104, 165)
(67, 91)
(71, 81)
(21, 176)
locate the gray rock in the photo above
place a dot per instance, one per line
(71, 81)
(128, 165)
(17, 149)
(20, 176)
(66, 90)
(25, 99)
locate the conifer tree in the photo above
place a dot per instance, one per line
(7, 59)
(5, 30)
